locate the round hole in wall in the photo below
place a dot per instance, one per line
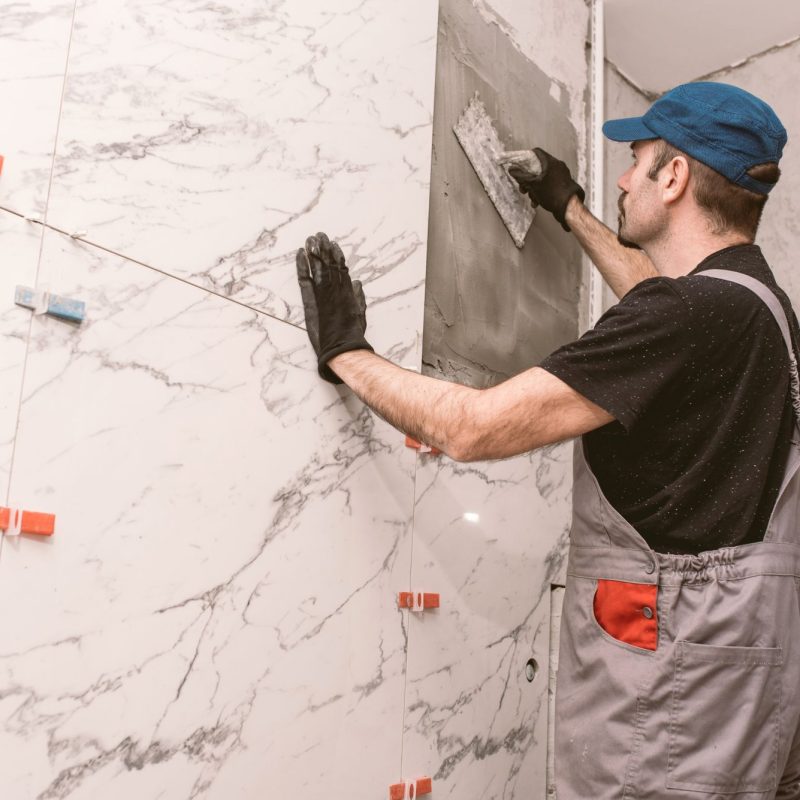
(531, 668)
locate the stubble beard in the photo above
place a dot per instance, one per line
(625, 242)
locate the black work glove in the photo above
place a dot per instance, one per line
(335, 308)
(552, 189)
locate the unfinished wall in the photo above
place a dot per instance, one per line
(493, 310)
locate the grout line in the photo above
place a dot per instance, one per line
(144, 264)
(410, 617)
(38, 265)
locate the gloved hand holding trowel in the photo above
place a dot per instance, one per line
(549, 184)
(544, 178)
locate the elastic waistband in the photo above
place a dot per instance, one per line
(636, 565)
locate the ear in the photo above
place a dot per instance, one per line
(674, 180)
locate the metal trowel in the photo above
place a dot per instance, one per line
(477, 136)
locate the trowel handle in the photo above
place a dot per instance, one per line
(524, 159)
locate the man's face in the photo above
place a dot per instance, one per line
(642, 216)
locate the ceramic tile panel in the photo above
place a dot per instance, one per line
(491, 539)
(210, 139)
(19, 245)
(33, 60)
(215, 615)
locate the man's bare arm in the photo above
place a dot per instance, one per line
(522, 414)
(622, 267)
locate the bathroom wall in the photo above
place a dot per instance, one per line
(216, 614)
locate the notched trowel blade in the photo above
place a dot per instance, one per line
(478, 138)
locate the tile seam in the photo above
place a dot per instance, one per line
(144, 264)
(38, 266)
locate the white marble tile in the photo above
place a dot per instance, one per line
(491, 539)
(33, 60)
(19, 255)
(209, 140)
(215, 615)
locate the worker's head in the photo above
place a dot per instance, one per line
(702, 148)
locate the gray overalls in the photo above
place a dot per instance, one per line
(679, 676)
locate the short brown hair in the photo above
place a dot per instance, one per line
(728, 207)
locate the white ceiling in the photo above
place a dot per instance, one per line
(661, 43)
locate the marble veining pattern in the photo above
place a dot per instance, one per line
(215, 615)
(35, 37)
(491, 538)
(20, 256)
(209, 139)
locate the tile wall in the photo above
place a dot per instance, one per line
(216, 614)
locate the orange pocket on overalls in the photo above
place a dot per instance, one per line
(627, 612)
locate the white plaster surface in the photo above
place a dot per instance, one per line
(774, 78)
(660, 45)
(621, 100)
(491, 538)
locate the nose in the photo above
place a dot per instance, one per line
(624, 180)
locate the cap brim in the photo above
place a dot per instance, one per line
(631, 129)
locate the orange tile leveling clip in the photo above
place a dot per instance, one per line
(423, 448)
(15, 521)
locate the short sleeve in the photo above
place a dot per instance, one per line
(637, 350)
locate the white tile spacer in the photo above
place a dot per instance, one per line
(418, 601)
(14, 522)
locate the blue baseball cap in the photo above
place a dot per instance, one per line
(720, 125)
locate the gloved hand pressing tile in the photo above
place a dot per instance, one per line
(334, 306)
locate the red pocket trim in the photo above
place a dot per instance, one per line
(621, 610)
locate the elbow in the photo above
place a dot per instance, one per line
(462, 440)
(464, 446)
(460, 450)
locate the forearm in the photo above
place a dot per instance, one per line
(432, 411)
(621, 267)
(528, 411)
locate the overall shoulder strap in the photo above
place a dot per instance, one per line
(774, 305)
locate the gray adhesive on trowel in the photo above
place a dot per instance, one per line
(482, 146)
(492, 310)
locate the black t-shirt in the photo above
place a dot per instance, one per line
(696, 374)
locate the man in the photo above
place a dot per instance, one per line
(680, 649)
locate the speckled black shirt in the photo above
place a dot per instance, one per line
(695, 372)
